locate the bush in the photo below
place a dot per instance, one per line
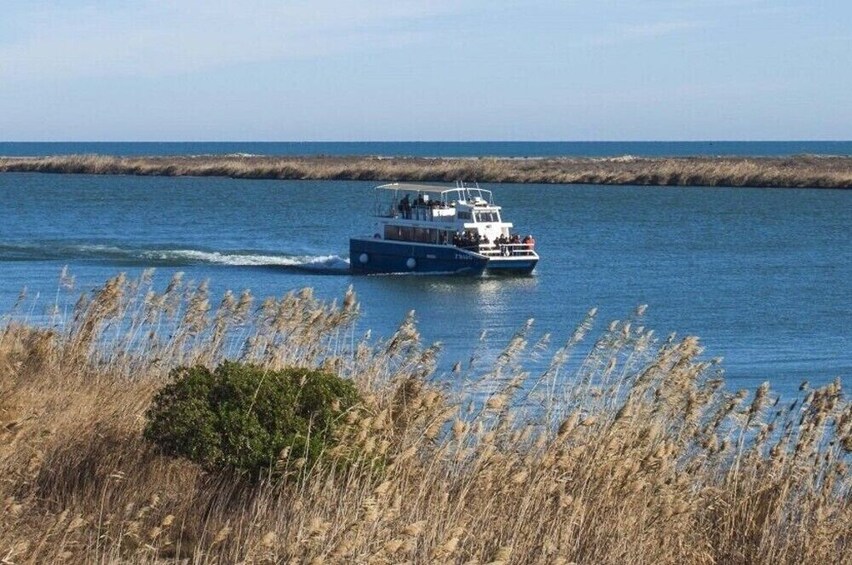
(242, 416)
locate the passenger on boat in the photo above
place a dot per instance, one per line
(405, 207)
(467, 240)
(529, 241)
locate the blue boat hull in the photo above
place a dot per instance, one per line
(368, 255)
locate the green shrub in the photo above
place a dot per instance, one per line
(242, 416)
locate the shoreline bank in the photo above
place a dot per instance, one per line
(758, 172)
(657, 459)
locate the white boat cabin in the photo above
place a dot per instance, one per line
(464, 216)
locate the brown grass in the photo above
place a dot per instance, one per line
(801, 171)
(632, 453)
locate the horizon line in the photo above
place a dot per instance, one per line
(442, 141)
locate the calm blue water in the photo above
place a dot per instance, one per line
(441, 148)
(762, 276)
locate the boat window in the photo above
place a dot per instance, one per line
(424, 235)
(392, 232)
(398, 233)
(487, 217)
(464, 215)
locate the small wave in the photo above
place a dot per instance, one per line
(618, 159)
(219, 155)
(50, 250)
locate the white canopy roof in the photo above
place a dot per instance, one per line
(466, 193)
(414, 187)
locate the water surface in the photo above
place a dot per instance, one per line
(440, 148)
(762, 276)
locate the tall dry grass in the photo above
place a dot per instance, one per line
(627, 449)
(801, 171)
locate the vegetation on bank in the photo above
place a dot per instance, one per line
(800, 171)
(625, 449)
(242, 417)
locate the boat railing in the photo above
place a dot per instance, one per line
(433, 214)
(504, 249)
(421, 213)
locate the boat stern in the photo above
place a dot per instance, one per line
(512, 265)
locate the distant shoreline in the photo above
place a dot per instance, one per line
(764, 172)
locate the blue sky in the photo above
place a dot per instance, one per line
(440, 70)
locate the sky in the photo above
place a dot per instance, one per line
(326, 70)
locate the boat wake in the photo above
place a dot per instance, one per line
(248, 259)
(171, 257)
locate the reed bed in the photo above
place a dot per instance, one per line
(623, 448)
(800, 171)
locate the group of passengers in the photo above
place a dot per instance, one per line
(472, 239)
(469, 239)
(503, 240)
(423, 201)
(507, 244)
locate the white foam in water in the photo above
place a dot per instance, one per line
(178, 256)
(101, 249)
(239, 259)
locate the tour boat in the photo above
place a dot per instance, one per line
(422, 228)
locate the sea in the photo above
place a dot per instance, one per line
(519, 149)
(762, 276)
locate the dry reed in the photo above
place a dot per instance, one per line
(627, 450)
(799, 171)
